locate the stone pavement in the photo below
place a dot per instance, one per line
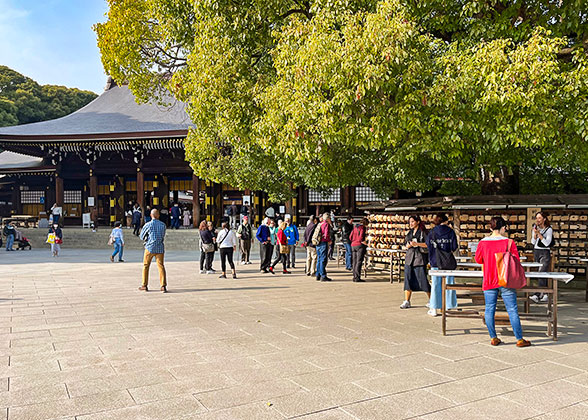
(79, 341)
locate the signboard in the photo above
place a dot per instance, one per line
(41, 200)
(282, 209)
(90, 201)
(246, 199)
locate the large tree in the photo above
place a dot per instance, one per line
(391, 94)
(22, 100)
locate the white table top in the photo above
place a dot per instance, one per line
(524, 264)
(468, 258)
(387, 250)
(565, 277)
(578, 259)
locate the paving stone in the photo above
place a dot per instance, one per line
(72, 407)
(398, 406)
(550, 396)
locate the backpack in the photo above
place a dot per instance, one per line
(316, 236)
(511, 273)
(245, 232)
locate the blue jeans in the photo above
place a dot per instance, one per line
(436, 301)
(118, 249)
(321, 260)
(9, 242)
(509, 296)
(348, 263)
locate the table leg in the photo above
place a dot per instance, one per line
(338, 259)
(586, 282)
(391, 268)
(550, 309)
(555, 310)
(443, 306)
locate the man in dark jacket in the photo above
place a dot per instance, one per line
(9, 232)
(310, 248)
(265, 245)
(176, 212)
(137, 213)
(245, 235)
(346, 228)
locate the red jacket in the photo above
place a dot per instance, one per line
(282, 238)
(357, 235)
(485, 255)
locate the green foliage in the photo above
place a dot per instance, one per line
(23, 101)
(390, 94)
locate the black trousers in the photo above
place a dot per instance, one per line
(137, 229)
(207, 258)
(265, 251)
(281, 257)
(358, 253)
(202, 259)
(226, 254)
(542, 256)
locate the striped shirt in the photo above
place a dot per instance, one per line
(153, 234)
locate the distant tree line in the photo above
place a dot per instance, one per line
(23, 101)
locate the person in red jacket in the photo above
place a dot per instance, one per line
(282, 241)
(486, 255)
(358, 242)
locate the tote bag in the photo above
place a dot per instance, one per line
(445, 260)
(511, 273)
(51, 238)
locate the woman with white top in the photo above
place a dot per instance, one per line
(227, 244)
(542, 241)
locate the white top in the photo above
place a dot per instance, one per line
(547, 233)
(229, 242)
(57, 211)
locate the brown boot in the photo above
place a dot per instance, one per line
(496, 341)
(163, 289)
(144, 288)
(523, 343)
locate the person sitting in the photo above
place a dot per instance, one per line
(486, 255)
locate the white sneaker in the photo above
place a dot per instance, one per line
(242, 263)
(432, 312)
(405, 305)
(248, 262)
(210, 272)
(428, 305)
(544, 299)
(202, 271)
(534, 298)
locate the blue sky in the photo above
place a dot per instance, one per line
(52, 41)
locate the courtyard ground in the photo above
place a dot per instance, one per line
(79, 341)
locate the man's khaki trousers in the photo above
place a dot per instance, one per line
(147, 263)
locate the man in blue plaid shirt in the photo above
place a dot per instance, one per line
(153, 234)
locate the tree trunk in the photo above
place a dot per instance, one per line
(501, 182)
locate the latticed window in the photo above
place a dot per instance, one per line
(365, 194)
(32, 197)
(320, 197)
(72, 197)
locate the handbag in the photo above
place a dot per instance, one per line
(445, 260)
(51, 238)
(511, 273)
(110, 240)
(284, 249)
(208, 247)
